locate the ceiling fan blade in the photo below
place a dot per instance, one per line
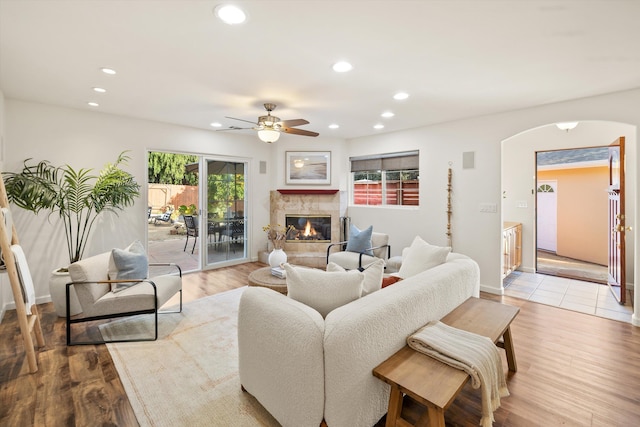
(294, 122)
(295, 131)
(231, 128)
(242, 120)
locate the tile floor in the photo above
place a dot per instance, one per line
(576, 295)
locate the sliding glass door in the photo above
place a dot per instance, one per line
(196, 210)
(226, 221)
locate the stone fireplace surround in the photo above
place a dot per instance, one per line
(306, 202)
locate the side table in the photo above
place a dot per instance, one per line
(263, 277)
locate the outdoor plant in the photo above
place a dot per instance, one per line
(188, 210)
(77, 196)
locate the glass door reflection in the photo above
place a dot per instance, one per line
(225, 211)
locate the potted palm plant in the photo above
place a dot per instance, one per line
(77, 196)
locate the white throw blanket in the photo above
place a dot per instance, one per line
(469, 352)
(24, 275)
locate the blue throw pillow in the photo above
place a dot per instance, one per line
(130, 263)
(360, 240)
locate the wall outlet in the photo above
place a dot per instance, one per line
(522, 204)
(488, 207)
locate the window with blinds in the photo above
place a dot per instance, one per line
(387, 179)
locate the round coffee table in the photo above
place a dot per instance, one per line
(263, 277)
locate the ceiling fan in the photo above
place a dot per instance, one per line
(269, 127)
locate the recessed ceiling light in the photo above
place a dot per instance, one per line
(378, 126)
(400, 96)
(216, 124)
(387, 114)
(99, 90)
(230, 14)
(108, 71)
(333, 126)
(93, 104)
(342, 67)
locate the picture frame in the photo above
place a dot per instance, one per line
(308, 167)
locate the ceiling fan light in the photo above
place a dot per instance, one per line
(566, 125)
(268, 135)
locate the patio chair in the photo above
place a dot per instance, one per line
(192, 230)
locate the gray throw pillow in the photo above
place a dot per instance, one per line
(130, 263)
(360, 240)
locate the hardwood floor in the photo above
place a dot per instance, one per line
(573, 370)
(79, 386)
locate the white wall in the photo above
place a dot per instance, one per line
(88, 139)
(518, 174)
(474, 233)
(5, 292)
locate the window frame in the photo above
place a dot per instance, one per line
(384, 164)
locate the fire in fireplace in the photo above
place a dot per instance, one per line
(308, 228)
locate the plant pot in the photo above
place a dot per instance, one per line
(277, 257)
(57, 289)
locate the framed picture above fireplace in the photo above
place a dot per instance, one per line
(308, 167)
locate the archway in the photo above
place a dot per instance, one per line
(519, 177)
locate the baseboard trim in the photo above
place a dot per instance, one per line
(492, 290)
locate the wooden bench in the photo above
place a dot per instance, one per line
(432, 383)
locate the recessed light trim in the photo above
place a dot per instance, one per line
(216, 124)
(230, 14)
(387, 114)
(109, 71)
(334, 126)
(399, 96)
(378, 126)
(99, 90)
(93, 104)
(342, 67)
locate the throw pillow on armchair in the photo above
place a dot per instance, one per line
(360, 240)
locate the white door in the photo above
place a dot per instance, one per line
(547, 215)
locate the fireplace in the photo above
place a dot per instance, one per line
(296, 207)
(308, 228)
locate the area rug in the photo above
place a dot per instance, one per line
(189, 376)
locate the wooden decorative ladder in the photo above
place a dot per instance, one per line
(28, 324)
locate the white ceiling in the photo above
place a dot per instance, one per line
(177, 63)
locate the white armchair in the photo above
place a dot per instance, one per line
(337, 253)
(102, 298)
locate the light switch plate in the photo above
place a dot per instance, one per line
(488, 207)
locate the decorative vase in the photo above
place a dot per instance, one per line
(277, 257)
(58, 292)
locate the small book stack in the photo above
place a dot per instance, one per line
(279, 272)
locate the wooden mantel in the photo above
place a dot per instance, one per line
(307, 191)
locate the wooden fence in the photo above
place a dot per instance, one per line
(160, 196)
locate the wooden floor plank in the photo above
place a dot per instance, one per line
(573, 370)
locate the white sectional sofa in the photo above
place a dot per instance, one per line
(303, 368)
